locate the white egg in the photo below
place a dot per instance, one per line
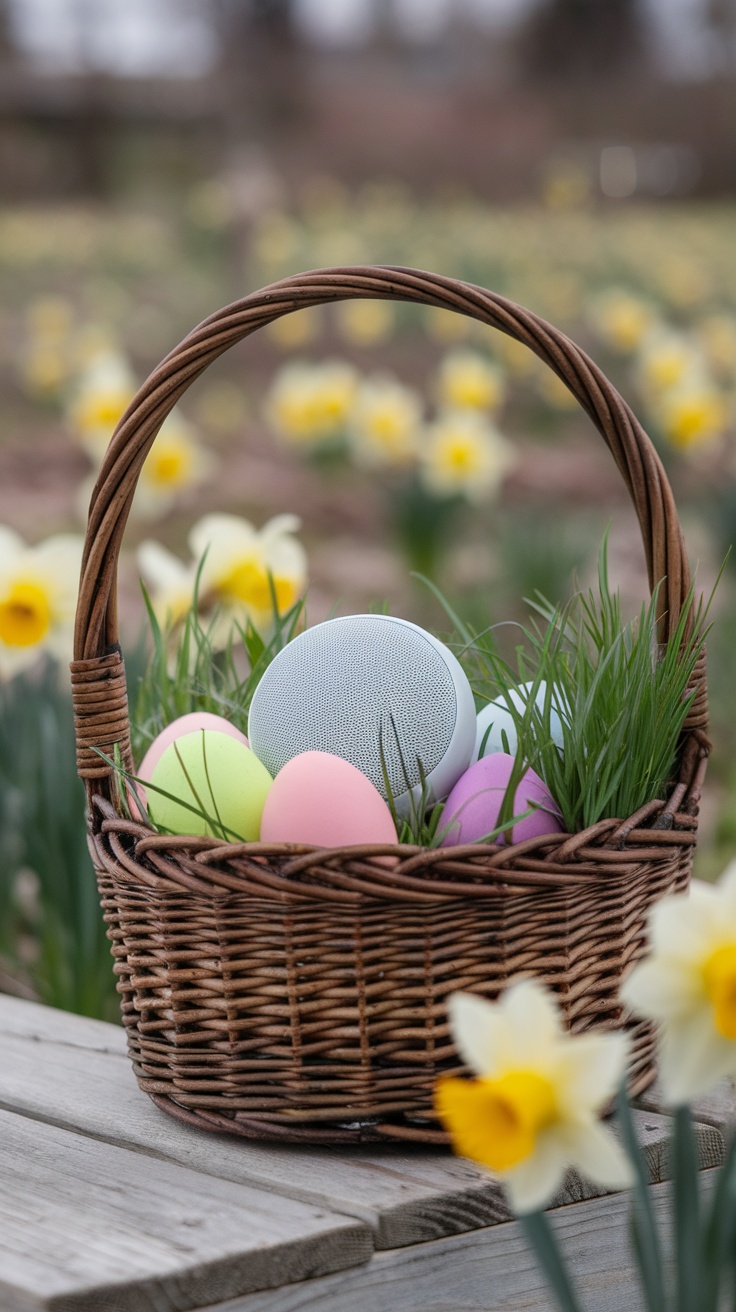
(495, 720)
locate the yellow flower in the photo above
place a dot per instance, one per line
(38, 594)
(688, 986)
(365, 322)
(533, 1109)
(464, 455)
(666, 359)
(621, 318)
(469, 380)
(295, 330)
(692, 414)
(175, 463)
(446, 325)
(309, 404)
(717, 333)
(385, 422)
(238, 566)
(101, 396)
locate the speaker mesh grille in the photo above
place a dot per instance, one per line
(336, 687)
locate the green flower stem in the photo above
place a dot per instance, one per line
(644, 1233)
(540, 1237)
(686, 1199)
(719, 1233)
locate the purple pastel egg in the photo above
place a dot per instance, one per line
(471, 810)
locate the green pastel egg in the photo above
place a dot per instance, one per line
(211, 773)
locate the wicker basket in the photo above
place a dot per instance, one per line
(287, 993)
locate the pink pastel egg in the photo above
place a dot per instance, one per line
(319, 799)
(191, 723)
(471, 810)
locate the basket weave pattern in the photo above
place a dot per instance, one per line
(278, 991)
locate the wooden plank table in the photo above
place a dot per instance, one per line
(107, 1204)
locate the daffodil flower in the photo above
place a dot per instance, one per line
(464, 455)
(309, 404)
(385, 422)
(688, 985)
(101, 396)
(175, 463)
(467, 379)
(38, 594)
(532, 1112)
(692, 414)
(241, 571)
(621, 318)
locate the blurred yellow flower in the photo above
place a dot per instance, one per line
(446, 325)
(515, 356)
(688, 986)
(385, 422)
(693, 414)
(621, 318)
(243, 572)
(101, 396)
(295, 330)
(38, 594)
(464, 455)
(665, 359)
(175, 463)
(365, 322)
(532, 1112)
(717, 335)
(467, 379)
(309, 404)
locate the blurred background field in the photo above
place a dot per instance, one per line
(159, 160)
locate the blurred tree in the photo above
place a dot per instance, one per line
(579, 38)
(721, 17)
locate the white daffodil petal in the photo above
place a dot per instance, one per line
(159, 566)
(533, 1022)
(11, 545)
(478, 1032)
(534, 1183)
(693, 1057)
(661, 988)
(590, 1070)
(279, 525)
(685, 919)
(597, 1154)
(221, 532)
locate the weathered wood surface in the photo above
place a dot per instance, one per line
(84, 1225)
(485, 1271)
(75, 1073)
(716, 1108)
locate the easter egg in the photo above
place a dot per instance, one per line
(495, 719)
(213, 773)
(472, 808)
(318, 798)
(191, 723)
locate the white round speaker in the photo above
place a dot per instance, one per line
(365, 687)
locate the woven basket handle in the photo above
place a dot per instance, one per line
(96, 630)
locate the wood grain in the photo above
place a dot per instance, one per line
(486, 1271)
(74, 1073)
(84, 1225)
